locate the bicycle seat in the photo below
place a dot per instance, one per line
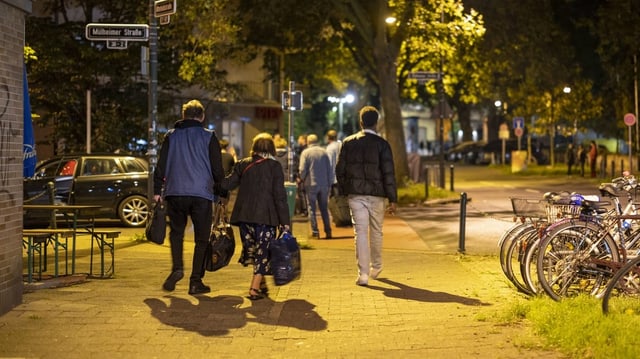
(609, 190)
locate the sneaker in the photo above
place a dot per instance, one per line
(315, 235)
(328, 236)
(363, 280)
(172, 279)
(375, 272)
(198, 288)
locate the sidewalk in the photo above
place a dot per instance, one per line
(425, 305)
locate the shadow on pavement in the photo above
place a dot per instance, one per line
(403, 291)
(216, 316)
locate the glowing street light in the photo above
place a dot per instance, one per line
(349, 98)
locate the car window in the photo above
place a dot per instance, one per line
(68, 168)
(132, 165)
(99, 166)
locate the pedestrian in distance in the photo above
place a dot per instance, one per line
(365, 173)
(582, 158)
(570, 158)
(228, 160)
(593, 155)
(316, 173)
(189, 167)
(260, 208)
(282, 155)
(333, 149)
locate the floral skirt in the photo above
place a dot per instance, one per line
(256, 239)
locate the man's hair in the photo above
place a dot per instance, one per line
(193, 110)
(369, 116)
(263, 143)
(332, 135)
(312, 139)
(280, 143)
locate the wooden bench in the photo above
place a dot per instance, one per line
(37, 240)
(103, 240)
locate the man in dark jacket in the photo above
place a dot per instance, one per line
(189, 165)
(366, 175)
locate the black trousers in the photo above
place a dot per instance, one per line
(200, 210)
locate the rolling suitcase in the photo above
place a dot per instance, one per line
(340, 212)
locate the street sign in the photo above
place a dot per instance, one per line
(123, 32)
(629, 119)
(518, 122)
(164, 7)
(424, 75)
(519, 131)
(165, 20)
(292, 101)
(116, 44)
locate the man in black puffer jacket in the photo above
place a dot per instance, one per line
(366, 175)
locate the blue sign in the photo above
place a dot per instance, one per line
(518, 122)
(29, 143)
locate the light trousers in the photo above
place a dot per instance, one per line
(367, 215)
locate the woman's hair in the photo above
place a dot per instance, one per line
(263, 143)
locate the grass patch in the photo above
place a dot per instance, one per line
(577, 327)
(414, 193)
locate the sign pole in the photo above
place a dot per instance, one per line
(152, 151)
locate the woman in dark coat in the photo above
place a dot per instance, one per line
(260, 207)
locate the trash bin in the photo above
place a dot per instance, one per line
(291, 189)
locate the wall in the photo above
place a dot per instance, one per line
(12, 25)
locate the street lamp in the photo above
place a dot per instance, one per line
(349, 98)
(552, 141)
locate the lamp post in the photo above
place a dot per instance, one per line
(552, 142)
(349, 98)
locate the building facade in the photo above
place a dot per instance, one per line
(12, 24)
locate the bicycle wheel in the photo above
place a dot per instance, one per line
(515, 254)
(623, 290)
(572, 259)
(528, 267)
(506, 241)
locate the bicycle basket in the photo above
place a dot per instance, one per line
(526, 207)
(557, 211)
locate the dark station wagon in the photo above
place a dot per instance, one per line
(117, 183)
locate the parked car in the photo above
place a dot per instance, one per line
(117, 183)
(471, 152)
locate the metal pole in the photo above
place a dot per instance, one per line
(340, 118)
(426, 183)
(441, 127)
(451, 178)
(463, 218)
(88, 121)
(152, 151)
(635, 93)
(292, 88)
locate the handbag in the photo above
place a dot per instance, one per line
(222, 242)
(156, 229)
(285, 261)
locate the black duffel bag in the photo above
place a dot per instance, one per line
(156, 229)
(285, 263)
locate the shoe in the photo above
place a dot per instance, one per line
(328, 236)
(315, 235)
(255, 294)
(172, 279)
(363, 280)
(198, 288)
(264, 290)
(375, 272)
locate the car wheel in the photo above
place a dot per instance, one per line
(133, 211)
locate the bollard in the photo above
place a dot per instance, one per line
(426, 183)
(451, 178)
(613, 168)
(463, 219)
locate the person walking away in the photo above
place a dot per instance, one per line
(593, 155)
(228, 160)
(260, 208)
(301, 197)
(333, 149)
(282, 155)
(366, 174)
(570, 158)
(317, 175)
(582, 158)
(189, 166)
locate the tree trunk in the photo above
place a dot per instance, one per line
(390, 99)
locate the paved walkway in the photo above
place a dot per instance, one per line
(425, 305)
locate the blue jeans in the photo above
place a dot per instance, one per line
(367, 214)
(319, 195)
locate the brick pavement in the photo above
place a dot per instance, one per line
(426, 305)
